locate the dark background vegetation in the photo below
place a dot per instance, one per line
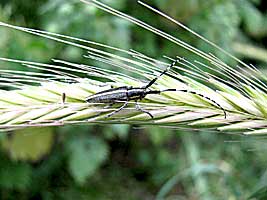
(122, 161)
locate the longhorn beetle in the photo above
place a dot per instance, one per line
(129, 93)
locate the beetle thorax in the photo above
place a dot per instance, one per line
(136, 93)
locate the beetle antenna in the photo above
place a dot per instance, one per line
(201, 95)
(162, 73)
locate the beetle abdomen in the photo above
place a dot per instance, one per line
(108, 97)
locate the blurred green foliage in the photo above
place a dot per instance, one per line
(122, 161)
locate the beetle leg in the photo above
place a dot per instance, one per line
(118, 110)
(139, 108)
(108, 106)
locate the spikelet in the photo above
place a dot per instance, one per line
(56, 97)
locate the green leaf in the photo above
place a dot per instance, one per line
(159, 136)
(253, 19)
(29, 144)
(260, 191)
(86, 156)
(261, 194)
(14, 175)
(116, 130)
